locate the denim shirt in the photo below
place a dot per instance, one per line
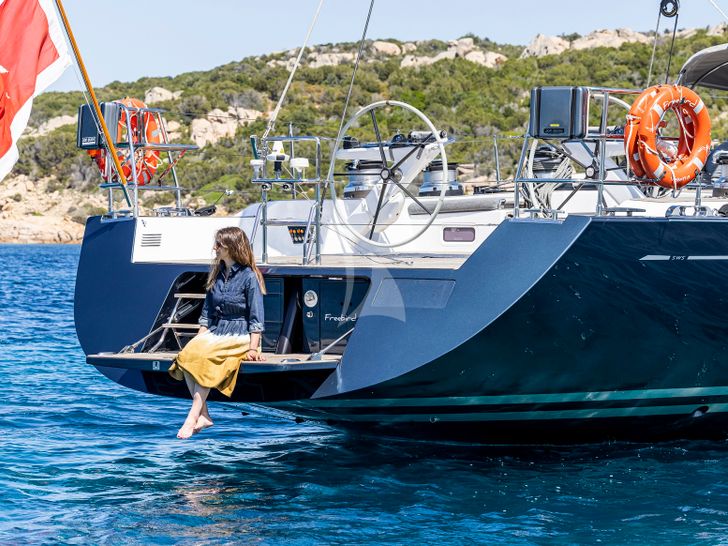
(234, 305)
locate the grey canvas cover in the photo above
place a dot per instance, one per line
(706, 68)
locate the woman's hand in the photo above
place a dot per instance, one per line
(253, 355)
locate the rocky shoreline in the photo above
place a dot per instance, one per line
(29, 213)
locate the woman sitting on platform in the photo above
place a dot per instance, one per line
(230, 327)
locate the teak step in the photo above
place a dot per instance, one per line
(189, 296)
(161, 361)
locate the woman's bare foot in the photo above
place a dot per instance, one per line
(202, 423)
(187, 430)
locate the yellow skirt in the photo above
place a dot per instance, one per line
(213, 361)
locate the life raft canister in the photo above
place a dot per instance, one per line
(642, 132)
(147, 160)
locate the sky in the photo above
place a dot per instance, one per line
(127, 39)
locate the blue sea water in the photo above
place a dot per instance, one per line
(85, 461)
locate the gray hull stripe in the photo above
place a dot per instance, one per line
(685, 410)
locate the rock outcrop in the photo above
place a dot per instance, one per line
(160, 94)
(30, 213)
(609, 38)
(287, 63)
(464, 48)
(489, 59)
(686, 33)
(543, 45)
(51, 125)
(219, 124)
(174, 130)
(317, 60)
(39, 229)
(718, 30)
(386, 48)
(412, 61)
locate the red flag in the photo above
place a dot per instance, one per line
(33, 54)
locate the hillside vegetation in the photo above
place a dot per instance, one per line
(472, 102)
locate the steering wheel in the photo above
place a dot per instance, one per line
(384, 203)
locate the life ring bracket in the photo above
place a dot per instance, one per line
(142, 133)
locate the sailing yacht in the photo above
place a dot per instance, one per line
(581, 300)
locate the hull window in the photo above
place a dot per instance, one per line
(458, 234)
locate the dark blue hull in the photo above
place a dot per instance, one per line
(588, 329)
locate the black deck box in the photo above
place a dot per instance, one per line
(559, 113)
(89, 136)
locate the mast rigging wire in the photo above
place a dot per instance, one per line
(356, 67)
(654, 48)
(672, 45)
(670, 9)
(274, 115)
(715, 5)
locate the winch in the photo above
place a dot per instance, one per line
(434, 178)
(364, 175)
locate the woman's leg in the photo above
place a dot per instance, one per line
(205, 421)
(199, 396)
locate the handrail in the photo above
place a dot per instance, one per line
(133, 146)
(317, 355)
(256, 222)
(306, 235)
(266, 183)
(133, 346)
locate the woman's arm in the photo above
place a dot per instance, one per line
(254, 353)
(256, 320)
(204, 320)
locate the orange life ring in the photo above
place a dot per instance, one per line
(642, 131)
(639, 107)
(147, 160)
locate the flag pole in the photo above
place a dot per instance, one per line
(102, 123)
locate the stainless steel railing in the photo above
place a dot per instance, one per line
(296, 179)
(136, 143)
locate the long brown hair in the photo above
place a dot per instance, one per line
(238, 246)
